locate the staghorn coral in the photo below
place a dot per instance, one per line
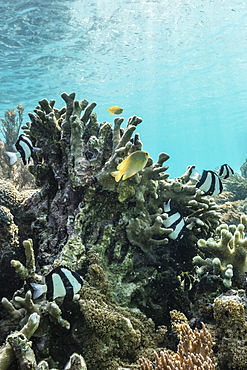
(231, 330)
(194, 349)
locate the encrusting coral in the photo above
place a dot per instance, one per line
(231, 330)
(194, 350)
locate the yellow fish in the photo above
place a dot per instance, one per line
(134, 163)
(115, 109)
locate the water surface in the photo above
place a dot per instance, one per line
(180, 65)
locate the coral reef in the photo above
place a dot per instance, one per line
(227, 251)
(231, 330)
(112, 233)
(8, 351)
(11, 124)
(18, 174)
(237, 185)
(194, 349)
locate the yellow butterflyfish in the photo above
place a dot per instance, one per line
(115, 109)
(134, 163)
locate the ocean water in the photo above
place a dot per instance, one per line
(180, 65)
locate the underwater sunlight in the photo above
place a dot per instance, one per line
(123, 185)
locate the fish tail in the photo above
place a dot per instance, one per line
(38, 290)
(117, 175)
(13, 157)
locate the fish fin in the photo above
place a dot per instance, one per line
(36, 149)
(38, 290)
(121, 165)
(195, 175)
(13, 157)
(117, 175)
(127, 175)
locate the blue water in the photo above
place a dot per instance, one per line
(180, 65)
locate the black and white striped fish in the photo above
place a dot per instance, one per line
(25, 149)
(210, 183)
(225, 171)
(174, 221)
(59, 283)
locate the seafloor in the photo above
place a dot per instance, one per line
(148, 301)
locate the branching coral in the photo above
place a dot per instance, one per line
(194, 351)
(21, 309)
(7, 355)
(11, 124)
(229, 247)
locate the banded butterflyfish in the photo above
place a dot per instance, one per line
(25, 149)
(61, 282)
(210, 183)
(174, 221)
(225, 171)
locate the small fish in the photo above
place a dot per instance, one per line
(225, 171)
(115, 109)
(134, 163)
(210, 183)
(59, 283)
(174, 221)
(25, 149)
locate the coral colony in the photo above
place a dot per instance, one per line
(109, 264)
